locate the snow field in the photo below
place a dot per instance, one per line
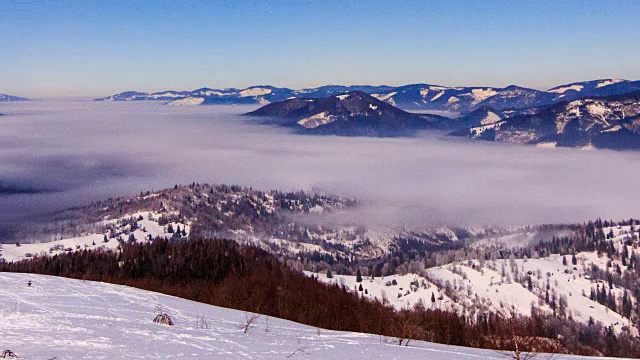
(73, 319)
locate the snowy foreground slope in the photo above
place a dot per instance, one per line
(72, 319)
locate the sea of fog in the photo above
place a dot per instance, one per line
(59, 153)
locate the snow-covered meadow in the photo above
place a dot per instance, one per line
(59, 318)
(147, 227)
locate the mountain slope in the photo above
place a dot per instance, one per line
(594, 88)
(516, 97)
(72, 319)
(8, 98)
(602, 122)
(353, 113)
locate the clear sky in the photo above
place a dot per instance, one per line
(93, 48)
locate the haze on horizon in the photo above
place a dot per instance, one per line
(61, 48)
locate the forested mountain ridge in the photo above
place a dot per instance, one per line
(601, 122)
(298, 224)
(353, 113)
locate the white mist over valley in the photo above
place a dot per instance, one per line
(60, 153)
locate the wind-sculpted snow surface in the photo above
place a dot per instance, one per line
(73, 319)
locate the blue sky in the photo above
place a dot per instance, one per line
(96, 48)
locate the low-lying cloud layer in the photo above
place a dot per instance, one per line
(80, 151)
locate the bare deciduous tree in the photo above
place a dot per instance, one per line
(508, 313)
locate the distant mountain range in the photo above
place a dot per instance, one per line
(599, 113)
(601, 122)
(355, 113)
(415, 97)
(7, 98)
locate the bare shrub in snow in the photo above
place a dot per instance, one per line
(8, 354)
(250, 320)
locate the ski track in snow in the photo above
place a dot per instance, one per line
(74, 319)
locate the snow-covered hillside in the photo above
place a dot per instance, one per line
(473, 286)
(400, 291)
(139, 227)
(60, 318)
(499, 284)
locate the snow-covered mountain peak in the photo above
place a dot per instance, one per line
(255, 91)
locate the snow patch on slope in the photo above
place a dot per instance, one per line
(190, 101)
(437, 96)
(563, 89)
(316, 120)
(608, 82)
(480, 95)
(255, 92)
(384, 97)
(490, 118)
